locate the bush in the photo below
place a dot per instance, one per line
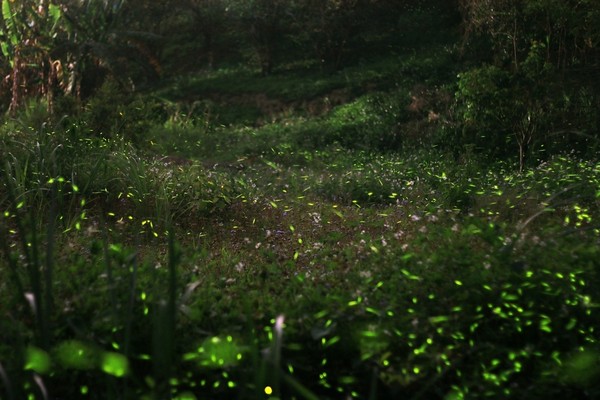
(114, 113)
(371, 122)
(529, 115)
(484, 107)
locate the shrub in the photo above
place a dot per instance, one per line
(370, 122)
(114, 113)
(525, 115)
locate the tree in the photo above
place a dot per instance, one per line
(534, 92)
(264, 22)
(69, 45)
(210, 19)
(569, 29)
(100, 42)
(329, 25)
(28, 34)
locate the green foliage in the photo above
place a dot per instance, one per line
(113, 113)
(328, 26)
(28, 51)
(485, 104)
(105, 172)
(265, 23)
(504, 279)
(206, 246)
(511, 26)
(497, 111)
(530, 99)
(372, 122)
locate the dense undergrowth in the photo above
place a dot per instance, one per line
(310, 267)
(372, 233)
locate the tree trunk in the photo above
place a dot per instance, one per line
(520, 136)
(16, 83)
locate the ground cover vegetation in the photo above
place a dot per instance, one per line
(357, 199)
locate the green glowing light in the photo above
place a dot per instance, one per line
(115, 364)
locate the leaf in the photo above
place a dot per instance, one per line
(9, 22)
(271, 164)
(5, 49)
(55, 14)
(37, 360)
(471, 230)
(338, 213)
(7, 14)
(296, 386)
